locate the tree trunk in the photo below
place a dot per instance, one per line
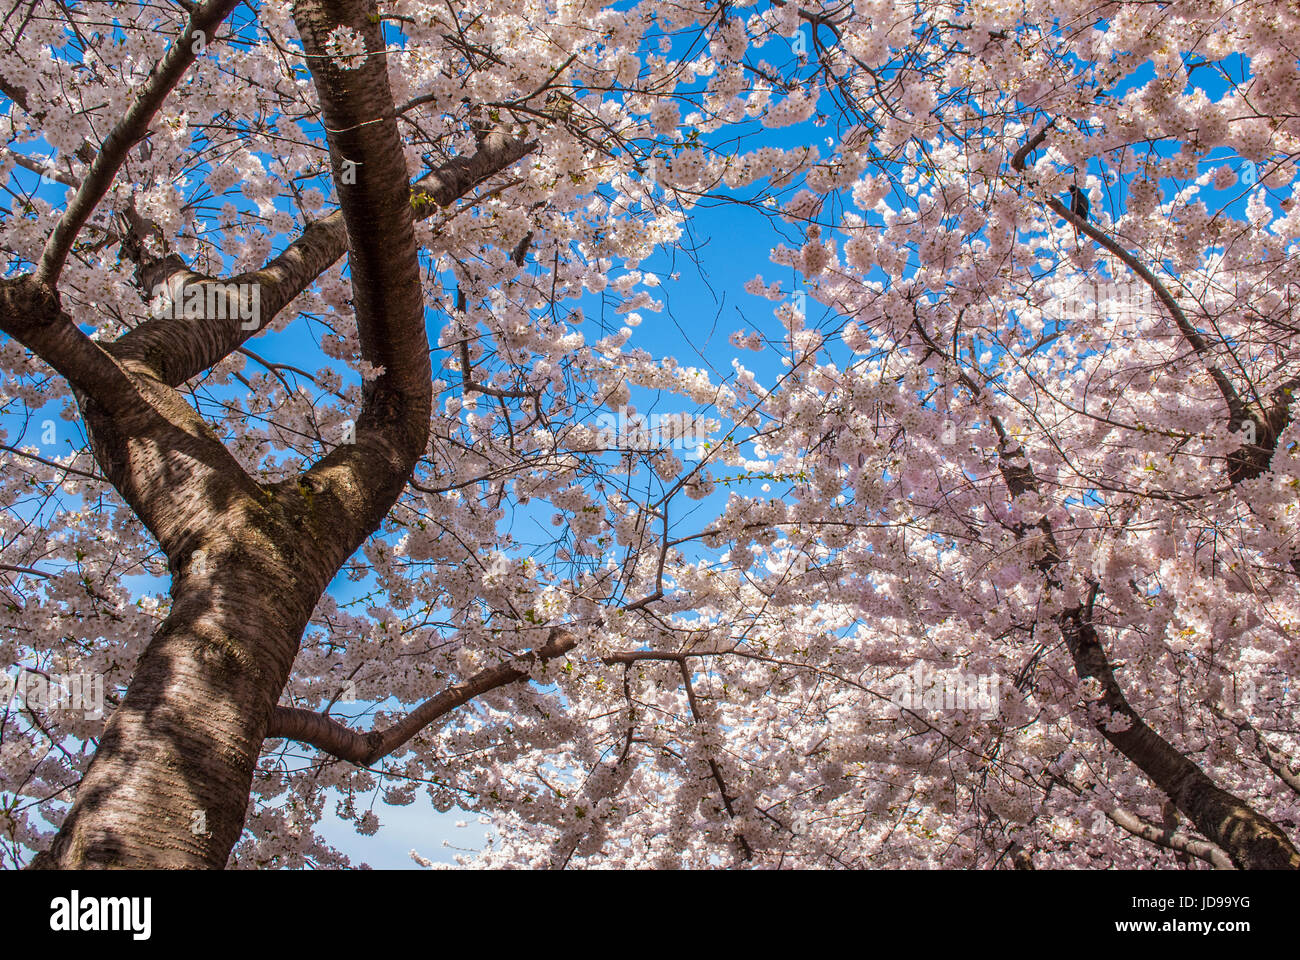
(1251, 840)
(169, 784)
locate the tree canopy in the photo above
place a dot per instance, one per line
(350, 448)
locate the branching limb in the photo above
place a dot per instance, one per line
(324, 733)
(1237, 409)
(31, 314)
(746, 850)
(1165, 837)
(127, 132)
(1268, 754)
(182, 348)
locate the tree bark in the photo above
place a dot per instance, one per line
(169, 784)
(1251, 840)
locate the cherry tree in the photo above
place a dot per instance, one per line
(986, 558)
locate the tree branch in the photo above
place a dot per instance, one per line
(714, 769)
(1166, 837)
(126, 133)
(1269, 755)
(182, 348)
(324, 733)
(357, 483)
(31, 314)
(1237, 410)
(1251, 839)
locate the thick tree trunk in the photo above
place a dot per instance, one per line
(169, 784)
